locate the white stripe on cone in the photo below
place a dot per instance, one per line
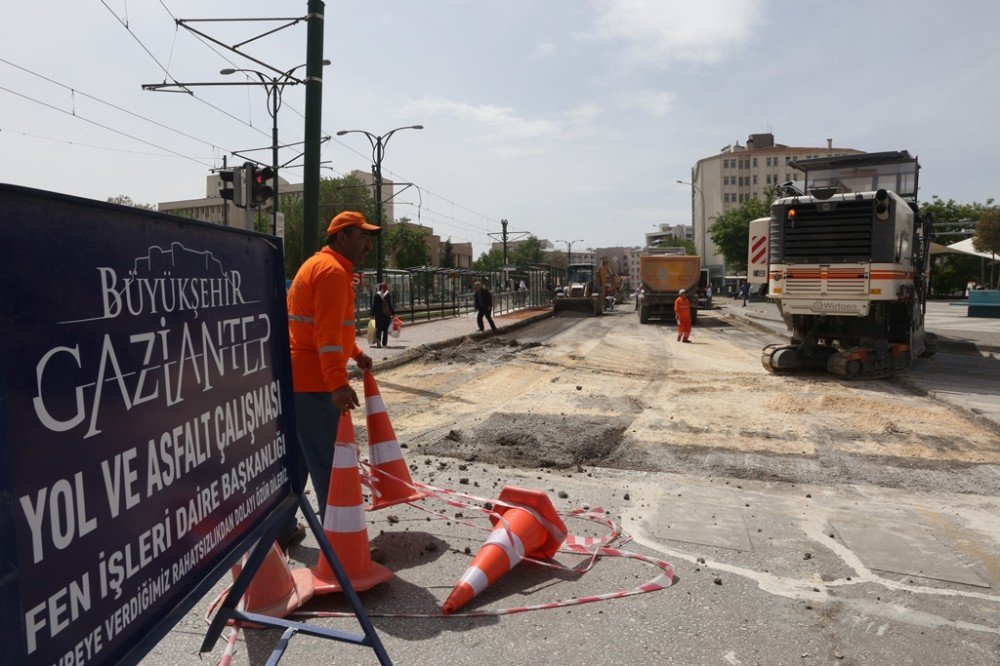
(344, 519)
(475, 578)
(374, 404)
(384, 452)
(514, 549)
(345, 457)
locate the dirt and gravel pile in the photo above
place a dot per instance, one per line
(531, 440)
(490, 350)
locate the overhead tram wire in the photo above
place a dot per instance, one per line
(88, 145)
(170, 76)
(476, 229)
(76, 91)
(102, 126)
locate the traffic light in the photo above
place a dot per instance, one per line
(236, 193)
(260, 191)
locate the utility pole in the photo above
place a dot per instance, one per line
(225, 202)
(313, 126)
(503, 223)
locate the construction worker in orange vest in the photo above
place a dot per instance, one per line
(682, 308)
(321, 336)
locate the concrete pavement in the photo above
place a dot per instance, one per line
(964, 374)
(956, 332)
(415, 339)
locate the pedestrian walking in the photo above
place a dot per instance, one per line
(321, 338)
(382, 311)
(682, 309)
(483, 300)
(708, 296)
(745, 292)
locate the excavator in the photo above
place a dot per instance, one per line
(585, 290)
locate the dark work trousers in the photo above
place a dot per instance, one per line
(489, 318)
(316, 421)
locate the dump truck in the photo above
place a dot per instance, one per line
(847, 261)
(663, 276)
(579, 295)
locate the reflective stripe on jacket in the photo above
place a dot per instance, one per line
(321, 331)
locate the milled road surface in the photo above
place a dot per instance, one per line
(809, 520)
(611, 392)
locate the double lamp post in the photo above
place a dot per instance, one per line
(274, 85)
(378, 143)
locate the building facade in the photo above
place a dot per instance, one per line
(216, 210)
(678, 231)
(736, 175)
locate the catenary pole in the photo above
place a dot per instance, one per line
(313, 128)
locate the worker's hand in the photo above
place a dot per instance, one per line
(345, 399)
(364, 362)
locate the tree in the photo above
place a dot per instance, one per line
(987, 238)
(678, 242)
(335, 195)
(126, 200)
(731, 231)
(489, 261)
(448, 255)
(407, 244)
(559, 259)
(953, 222)
(528, 251)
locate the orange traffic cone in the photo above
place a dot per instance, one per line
(391, 482)
(344, 521)
(533, 531)
(275, 590)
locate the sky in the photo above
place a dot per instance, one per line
(572, 119)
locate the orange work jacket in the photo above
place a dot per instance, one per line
(321, 331)
(682, 308)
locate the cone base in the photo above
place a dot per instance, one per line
(381, 504)
(375, 575)
(291, 602)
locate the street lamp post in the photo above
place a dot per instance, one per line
(704, 231)
(274, 86)
(378, 143)
(569, 249)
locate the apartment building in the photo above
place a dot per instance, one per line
(737, 174)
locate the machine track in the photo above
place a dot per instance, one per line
(870, 363)
(853, 363)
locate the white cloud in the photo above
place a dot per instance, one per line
(657, 32)
(654, 102)
(497, 121)
(584, 114)
(544, 50)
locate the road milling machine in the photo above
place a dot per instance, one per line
(847, 263)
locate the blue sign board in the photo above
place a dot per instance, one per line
(145, 419)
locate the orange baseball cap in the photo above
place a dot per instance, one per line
(351, 218)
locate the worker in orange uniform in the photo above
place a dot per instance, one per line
(321, 335)
(682, 308)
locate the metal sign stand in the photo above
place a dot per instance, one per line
(228, 610)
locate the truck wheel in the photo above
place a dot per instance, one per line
(643, 314)
(694, 316)
(930, 345)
